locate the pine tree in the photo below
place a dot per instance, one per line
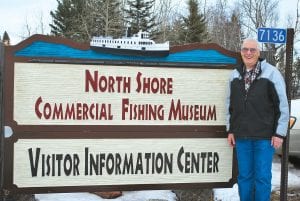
(6, 39)
(79, 20)
(67, 19)
(194, 25)
(139, 15)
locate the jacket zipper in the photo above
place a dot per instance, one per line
(246, 93)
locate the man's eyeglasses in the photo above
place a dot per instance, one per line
(246, 49)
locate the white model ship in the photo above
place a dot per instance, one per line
(138, 45)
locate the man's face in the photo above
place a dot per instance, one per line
(250, 53)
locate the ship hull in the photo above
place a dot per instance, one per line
(119, 51)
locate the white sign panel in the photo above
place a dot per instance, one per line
(84, 162)
(70, 94)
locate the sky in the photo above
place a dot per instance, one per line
(16, 14)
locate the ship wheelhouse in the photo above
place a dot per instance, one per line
(138, 42)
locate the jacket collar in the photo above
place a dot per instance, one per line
(242, 70)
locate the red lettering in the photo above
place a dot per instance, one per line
(47, 111)
(141, 111)
(70, 113)
(97, 109)
(57, 112)
(106, 83)
(74, 111)
(170, 86)
(163, 86)
(90, 81)
(110, 116)
(92, 107)
(202, 112)
(196, 112)
(212, 113)
(146, 85)
(125, 102)
(175, 111)
(79, 111)
(191, 112)
(126, 85)
(85, 110)
(111, 82)
(119, 80)
(139, 84)
(103, 112)
(154, 85)
(36, 107)
(103, 83)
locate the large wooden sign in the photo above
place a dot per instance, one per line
(78, 121)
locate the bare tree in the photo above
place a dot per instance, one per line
(107, 16)
(169, 19)
(293, 21)
(33, 24)
(295, 90)
(27, 28)
(225, 25)
(40, 23)
(163, 10)
(258, 13)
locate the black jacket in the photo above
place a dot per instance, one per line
(261, 113)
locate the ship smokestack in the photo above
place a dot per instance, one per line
(129, 34)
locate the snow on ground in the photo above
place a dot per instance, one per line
(224, 194)
(127, 196)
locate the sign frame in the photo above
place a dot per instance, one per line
(101, 132)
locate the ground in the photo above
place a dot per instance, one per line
(293, 195)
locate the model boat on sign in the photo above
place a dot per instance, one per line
(138, 45)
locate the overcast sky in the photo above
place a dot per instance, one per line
(16, 14)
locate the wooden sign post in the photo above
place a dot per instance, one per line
(1, 115)
(285, 145)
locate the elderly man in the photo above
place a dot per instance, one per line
(258, 116)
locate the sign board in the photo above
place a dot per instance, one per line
(91, 162)
(66, 94)
(271, 35)
(90, 125)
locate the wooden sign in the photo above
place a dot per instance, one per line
(66, 94)
(76, 121)
(89, 162)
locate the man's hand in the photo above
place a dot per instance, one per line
(276, 142)
(231, 140)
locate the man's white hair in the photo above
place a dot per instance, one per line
(251, 40)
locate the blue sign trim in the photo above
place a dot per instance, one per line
(46, 49)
